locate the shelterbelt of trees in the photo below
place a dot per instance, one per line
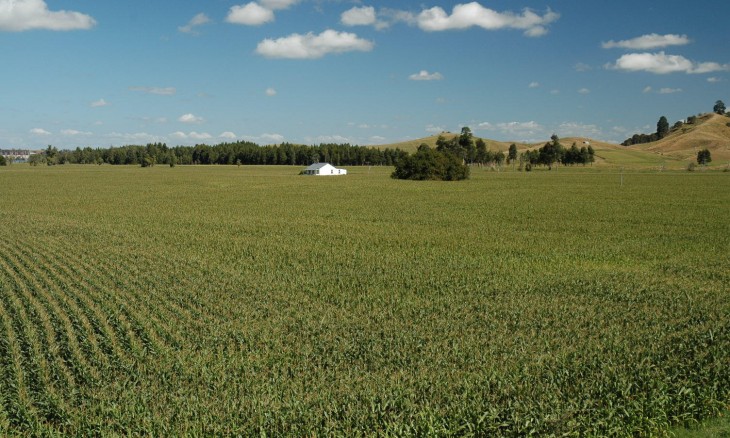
(224, 153)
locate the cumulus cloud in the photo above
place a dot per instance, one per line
(190, 119)
(195, 22)
(311, 46)
(39, 131)
(278, 4)
(363, 16)
(434, 129)
(75, 133)
(575, 129)
(534, 84)
(270, 92)
(582, 67)
(228, 135)
(515, 129)
(584, 91)
(669, 90)
(646, 42)
(21, 15)
(134, 138)
(472, 14)
(338, 139)
(424, 75)
(272, 138)
(167, 91)
(99, 103)
(647, 89)
(191, 135)
(713, 80)
(251, 14)
(661, 63)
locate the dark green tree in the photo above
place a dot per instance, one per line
(466, 141)
(704, 157)
(3, 161)
(51, 155)
(719, 107)
(482, 154)
(662, 127)
(431, 164)
(512, 153)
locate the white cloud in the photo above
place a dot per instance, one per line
(336, 139)
(574, 129)
(646, 42)
(21, 15)
(167, 91)
(670, 90)
(584, 91)
(534, 84)
(581, 67)
(713, 80)
(310, 46)
(39, 131)
(517, 129)
(434, 129)
(99, 103)
(647, 89)
(424, 75)
(278, 4)
(228, 135)
(75, 133)
(363, 16)
(387, 17)
(555, 92)
(661, 63)
(190, 119)
(137, 137)
(191, 136)
(270, 92)
(467, 15)
(272, 138)
(251, 14)
(196, 21)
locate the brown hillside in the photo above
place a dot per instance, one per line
(412, 145)
(710, 131)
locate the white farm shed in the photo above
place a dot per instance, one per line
(323, 169)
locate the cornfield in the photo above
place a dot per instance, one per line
(229, 300)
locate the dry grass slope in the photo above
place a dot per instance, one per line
(678, 149)
(711, 131)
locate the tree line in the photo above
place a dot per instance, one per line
(242, 152)
(554, 152)
(663, 129)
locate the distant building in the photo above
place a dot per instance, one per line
(323, 169)
(17, 154)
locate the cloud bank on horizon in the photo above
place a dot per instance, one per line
(364, 73)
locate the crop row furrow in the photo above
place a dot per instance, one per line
(12, 376)
(66, 326)
(130, 326)
(123, 305)
(26, 369)
(89, 298)
(36, 274)
(187, 312)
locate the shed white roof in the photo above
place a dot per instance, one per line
(317, 166)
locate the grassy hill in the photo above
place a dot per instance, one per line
(710, 131)
(675, 151)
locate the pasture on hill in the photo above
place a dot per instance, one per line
(225, 300)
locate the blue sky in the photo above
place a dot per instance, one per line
(108, 72)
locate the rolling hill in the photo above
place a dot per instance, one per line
(677, 150)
